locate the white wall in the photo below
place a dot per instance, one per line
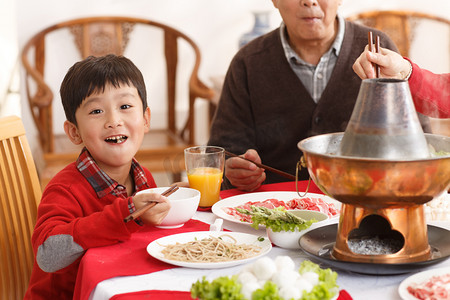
(215, 25)
(9, 48)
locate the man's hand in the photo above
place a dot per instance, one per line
(244, 175)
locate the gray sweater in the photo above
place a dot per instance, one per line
(264, 106)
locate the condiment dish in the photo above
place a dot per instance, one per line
(290, 239)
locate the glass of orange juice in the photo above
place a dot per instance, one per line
(204, 168)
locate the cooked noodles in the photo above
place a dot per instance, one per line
(212, 249)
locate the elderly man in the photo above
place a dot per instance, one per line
(292, 83)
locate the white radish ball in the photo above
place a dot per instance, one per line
(246, 277)
(262, 283)
(264, 268)
(284, 262)
(248, 289)
(312, 277)
(303, 285)
(290, 292)
(285, 278)
(247, 268)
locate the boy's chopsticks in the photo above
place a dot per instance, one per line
(281, 173)
(149, 205)
(377, 50)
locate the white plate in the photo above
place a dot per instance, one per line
(234, 201)
(419, 278)
(155, 247)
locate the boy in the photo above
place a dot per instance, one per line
(84, 205)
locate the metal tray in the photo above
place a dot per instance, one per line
(318, 244)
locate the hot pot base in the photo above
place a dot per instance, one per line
(318, 244)
(405, 226)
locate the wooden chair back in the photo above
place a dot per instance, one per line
(20, 194)
(103, 35)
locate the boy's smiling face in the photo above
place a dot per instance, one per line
(111, 124)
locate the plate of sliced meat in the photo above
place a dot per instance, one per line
(427, 285)
(226, 208)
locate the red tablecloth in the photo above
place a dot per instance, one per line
(176, 295)
(159, 295)
(123, 259)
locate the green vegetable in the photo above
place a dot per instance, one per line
(435, 153)
(224, 288)
(268, 292)
(440, 153)
(278, 219)
(228, 288)
(326, 288)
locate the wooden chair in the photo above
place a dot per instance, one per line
(401, 27)
(20, 194)
(162, 149)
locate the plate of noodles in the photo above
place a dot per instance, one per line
(209, 249)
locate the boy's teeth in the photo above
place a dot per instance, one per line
(116, 139)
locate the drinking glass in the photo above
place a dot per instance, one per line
(204, 168)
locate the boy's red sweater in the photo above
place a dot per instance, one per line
(71, 208)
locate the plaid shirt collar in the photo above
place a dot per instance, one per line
(102, 183)
(335, 48)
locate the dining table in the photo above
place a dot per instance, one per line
(125, 271)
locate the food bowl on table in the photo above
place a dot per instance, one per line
(289, 239)
(184, 203)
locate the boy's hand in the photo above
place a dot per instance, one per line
(157, 213)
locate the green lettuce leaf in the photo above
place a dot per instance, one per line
(224, 288)
(268, 292)
(278, 219)
(327, 287)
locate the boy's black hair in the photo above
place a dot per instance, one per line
(92, 74)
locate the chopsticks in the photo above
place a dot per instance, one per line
(376, 50)
(150, 204)
(279, 172)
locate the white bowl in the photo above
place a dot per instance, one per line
(184, 203)
(289, 239)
